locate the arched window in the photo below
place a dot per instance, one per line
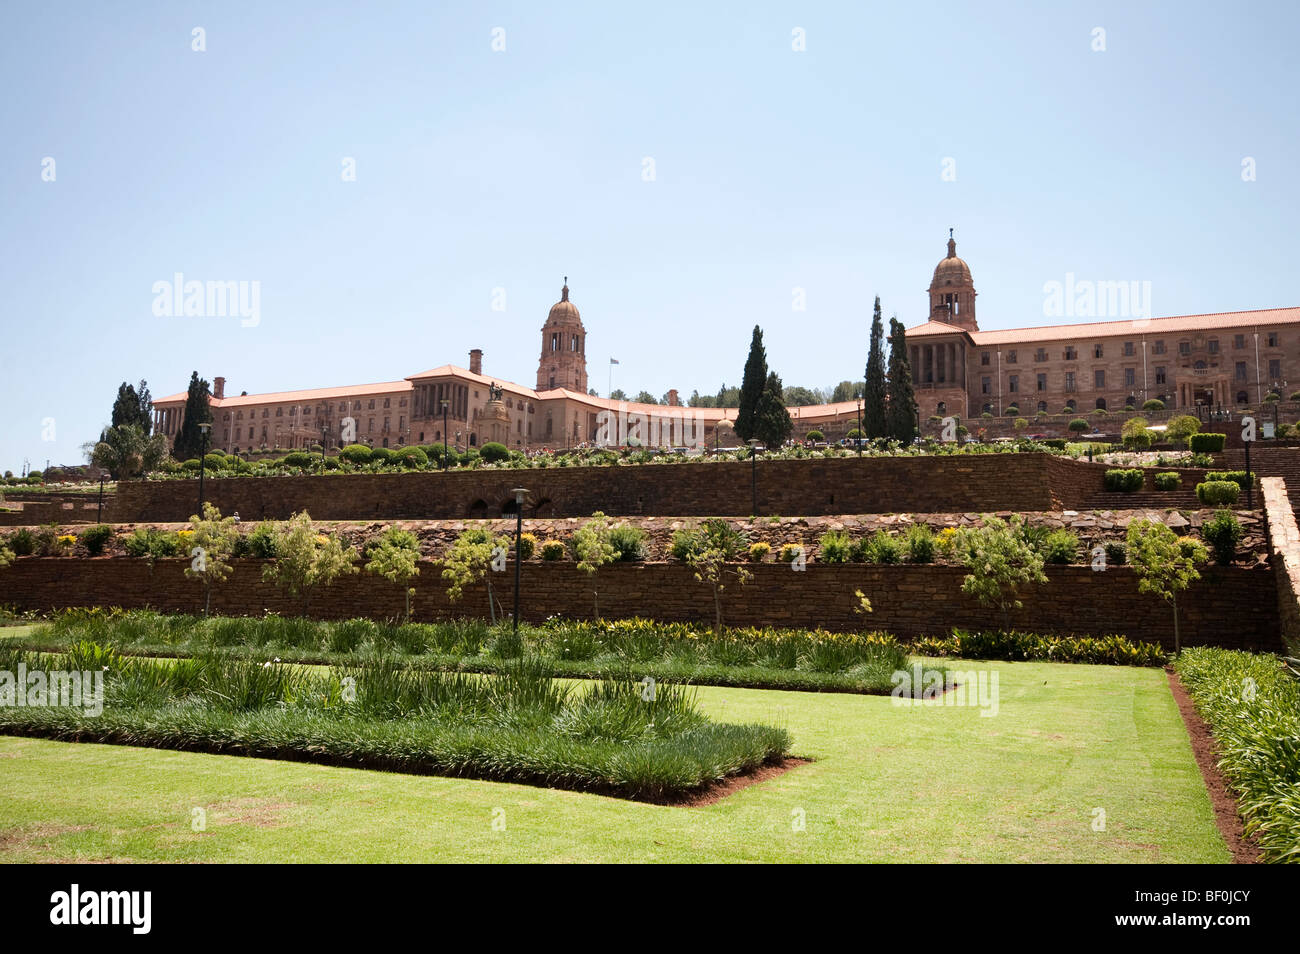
(1243, 397)
(473, 440)
(1069, 405)
(1131, 401)
(988, 409)
(1042, 406)
(1101, 404)
(942, 408)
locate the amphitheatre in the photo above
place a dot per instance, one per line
(607, 643)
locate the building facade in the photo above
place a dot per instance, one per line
(1217, 360)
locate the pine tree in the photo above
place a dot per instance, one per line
(873, 401)
(145, 400)
(772, 424)
(901, 413)
(751, 387)
(189, 441)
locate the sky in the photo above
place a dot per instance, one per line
(694, 169)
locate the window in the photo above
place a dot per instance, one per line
(1042, 382)
(386, 400)
(1099, 380)
(1158, 348)
(1242, 397)
(1128, 349)
(1069, 380)
(279, 412)
(988, 409)
(1238, 342)
(1239, 371)
(1069, 405)
(1013, 383)
(250, 433)
(1184, 347)
(1130, 378)
(984, 358)
(1042, 407)
(1160, 376)
(1071, 354)
(1131, 401)
(1213, 345)
(1274, 369)
(1011, 357)
(1098, 351)
(1101, 404)
(986, 385)
(1040, 354)
(1272, 339)
(372, 405)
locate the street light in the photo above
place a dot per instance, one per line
(753, 476)
(203, 454)
(519, 532)
(859, 427)
(445, 402)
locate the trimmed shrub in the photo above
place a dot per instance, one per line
(296, 459)
(1223, 532)
(758, 552)
(22, 542)
(1181, 428)
(834, 547)
(527, 546)
(552, 550)
(880, 547)
(815, 436)
(1060, 546)
(1078, 425)
(1169, 480)
(629, 544)
(1207, 442)
(356, 454)
(1153, 405)
(411, 457)
(1055, 443)
(380, 455)
(1116, 553)
(1238, 477)
(1218, 493)
(1124, 480)
(494, 453)
(95, 538)
(919, 544)
(788, 552)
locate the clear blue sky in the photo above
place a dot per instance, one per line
(476, 169)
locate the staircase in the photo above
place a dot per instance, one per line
(1281, 462)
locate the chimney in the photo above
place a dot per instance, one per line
(673, 399)
(476, 361)
(218, 387)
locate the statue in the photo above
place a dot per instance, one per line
(495, 392)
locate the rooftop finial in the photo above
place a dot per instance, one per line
(564, 292)
(952, 245)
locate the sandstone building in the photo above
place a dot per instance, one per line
(1226, 359)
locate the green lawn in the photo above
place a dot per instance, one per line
(891, 782)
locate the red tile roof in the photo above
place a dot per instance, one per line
(1152, 327)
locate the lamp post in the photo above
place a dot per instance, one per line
(100, 517)
(753, 476)
(445, 402)
(859, 439)
(324, 433)
(203, 454)
(519, 532)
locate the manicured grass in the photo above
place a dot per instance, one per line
(743, 657)
(916, 782)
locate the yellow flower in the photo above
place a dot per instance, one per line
(322, 539)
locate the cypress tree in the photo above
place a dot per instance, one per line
(751, 387)
(873, 399)
(189, 440)
(901, 413)
(772, 424)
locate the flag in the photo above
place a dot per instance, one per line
(613, 360)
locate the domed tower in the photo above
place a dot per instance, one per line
(564, 347)
(952, 293)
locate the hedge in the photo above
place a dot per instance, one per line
(1207, 443)
(1218, 493)
(1125, 481)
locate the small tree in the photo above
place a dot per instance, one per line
(1000, 560)
(1181, 428)
(396, 558)
(1164, 562)
(1078, 425)
(593, 546)
(772, 424)
(468, 561)
(751, 387)
(212, 541)
(126, 451)
(715, 549)
(1134, 432)
(305, 559)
